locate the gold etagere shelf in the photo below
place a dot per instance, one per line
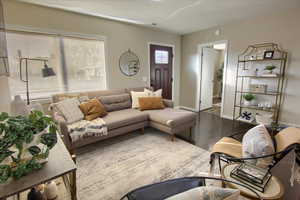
(259, 54)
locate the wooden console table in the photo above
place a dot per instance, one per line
(60, 164)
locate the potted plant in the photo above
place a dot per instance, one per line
(248, 99)
(270, 68)
(25, 142)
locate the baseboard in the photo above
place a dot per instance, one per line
(188, 108)
(289, 124)
(227, 117)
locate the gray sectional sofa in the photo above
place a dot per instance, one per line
(121, 118)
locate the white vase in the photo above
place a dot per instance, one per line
(51, 190)
(247, 103)
(19, 107)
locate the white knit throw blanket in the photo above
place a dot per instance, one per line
(83, 129)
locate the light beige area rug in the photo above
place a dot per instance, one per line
(107, 170)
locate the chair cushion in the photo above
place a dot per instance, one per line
(258, 142)
(92, 109)
(151, 103)
(120, 118)
(116, 102)
(207, 192)
(228, 146)
(171, 117)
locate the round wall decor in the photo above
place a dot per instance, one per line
(129, 63)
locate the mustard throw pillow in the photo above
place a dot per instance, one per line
(92, 109)
(151, 103)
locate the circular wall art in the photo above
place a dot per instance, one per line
(129, 63)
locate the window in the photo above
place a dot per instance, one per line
(161, 57)
(79, 64)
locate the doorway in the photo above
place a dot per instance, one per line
(212, 76)
(161, 69)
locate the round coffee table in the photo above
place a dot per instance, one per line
(274, 189)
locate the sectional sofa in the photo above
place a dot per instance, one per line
(121, 118)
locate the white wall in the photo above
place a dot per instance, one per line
(282, 28)
(119, 36)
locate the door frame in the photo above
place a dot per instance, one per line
(173, 62)
(198, 92)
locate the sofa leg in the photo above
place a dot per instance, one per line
(143, 130)
(173, 138)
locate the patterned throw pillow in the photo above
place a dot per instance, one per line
(207, 193)
(69, 108)
(258, 142)
(157, 93)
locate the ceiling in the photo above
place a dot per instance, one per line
(178, 16)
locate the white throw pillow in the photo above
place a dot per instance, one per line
(207, 193)
(135, 98)
(258, 142)
(157, 93)
(69, 108)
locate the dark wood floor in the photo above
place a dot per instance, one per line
(209, 129)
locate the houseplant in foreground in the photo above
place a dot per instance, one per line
(25, 142)
(248, 99)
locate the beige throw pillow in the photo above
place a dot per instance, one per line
(135, 98)
(69, 108)
(157, 93)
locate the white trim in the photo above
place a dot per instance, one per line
(289, 124)
(227, 117)
(173, 63)
(188, 108)
(198, 92)
(54, 32)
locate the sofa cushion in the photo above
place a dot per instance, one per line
(120, 118)
(116, 102)
(171, 117)
(151, 103)
(69, 108)
(92, 109)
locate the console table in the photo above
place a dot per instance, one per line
(60, 164)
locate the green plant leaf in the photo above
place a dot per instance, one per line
(5, 173)
(4, 116)
(49, 139)
(5, 153)
(34, 150)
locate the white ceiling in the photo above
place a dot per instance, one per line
(178, 16)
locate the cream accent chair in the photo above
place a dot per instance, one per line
(229, 149)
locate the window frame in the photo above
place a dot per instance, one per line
(60, 34)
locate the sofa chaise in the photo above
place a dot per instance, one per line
(121, 118)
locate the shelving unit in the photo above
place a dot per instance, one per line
(253, 59)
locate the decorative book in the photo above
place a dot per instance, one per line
(252, 176)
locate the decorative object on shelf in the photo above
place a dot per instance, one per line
(270, 68)
(248, 99)
(268, 86)
(247, 117)
(265, 119)
(19, 107)
(25, 143)
(268, 54)
(129, 63)
(259, 88)
(46, 72)
(51, 191)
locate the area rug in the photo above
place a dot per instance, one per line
(107, 170)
